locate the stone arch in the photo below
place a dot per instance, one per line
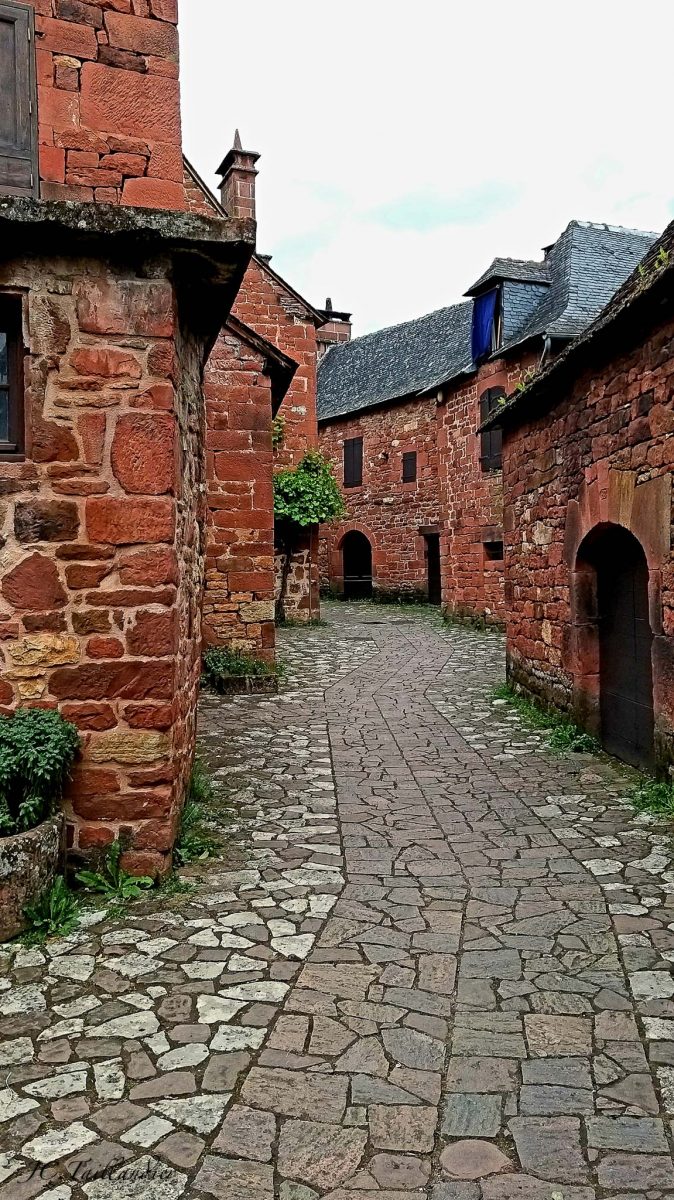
(335, 538)
(356, 554)
(612, 642)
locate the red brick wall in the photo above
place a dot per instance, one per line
(472, 499)
(389, 512)
(239, 598)
(102, 542)
(605, 454)
(277, 315)
(109, 101)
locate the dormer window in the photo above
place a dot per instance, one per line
(487, 333)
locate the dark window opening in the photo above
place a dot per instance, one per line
(353, 462)
(493, 551)
(18, 106)
(409, 466)
(491, 440)
(11, 377)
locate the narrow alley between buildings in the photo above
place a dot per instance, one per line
(436, 962)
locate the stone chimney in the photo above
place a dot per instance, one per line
(337, 328)
(237, 189)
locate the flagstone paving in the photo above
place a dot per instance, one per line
(449, 976)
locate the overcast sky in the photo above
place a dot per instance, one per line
(405, 145)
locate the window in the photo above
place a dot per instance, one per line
(487, 329)
(491, 440)
(353, 462)
(409, 466)
(493, 551)
(11, 377)
(18, 108)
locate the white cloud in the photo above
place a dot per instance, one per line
(370, 115)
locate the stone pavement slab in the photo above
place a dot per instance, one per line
(438, 962)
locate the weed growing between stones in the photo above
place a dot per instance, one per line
(112, 881)
(653, 796)
(293, 623)
(55, 914)
(196, 839)
(563, 734)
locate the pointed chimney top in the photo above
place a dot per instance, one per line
(238, 172)
(237, 141)
(328, 305)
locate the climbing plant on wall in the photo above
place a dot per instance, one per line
(304, 496)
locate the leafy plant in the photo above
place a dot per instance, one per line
(653, 796)
(278, 432)
(37, 750)
(55, 914)
(527, 378)
(195, 839)
(112, 881)
(564, 734)
(308, 494)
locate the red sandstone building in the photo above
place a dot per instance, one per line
(399, 412)
(108, 310)
(588, 455)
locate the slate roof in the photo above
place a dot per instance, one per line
(647, 290)
(402, 360)
(520, 269)
(582, 270)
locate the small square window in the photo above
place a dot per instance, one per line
(493, 551)
(409, 466)
(11, 377)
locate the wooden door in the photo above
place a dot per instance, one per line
(357, 566)
(625, 644)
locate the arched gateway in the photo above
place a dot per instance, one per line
(614, 573)
(356, 566)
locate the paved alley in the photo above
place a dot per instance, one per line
(436, 961)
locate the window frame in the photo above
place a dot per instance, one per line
(352, 462)
(22, 14)
(409, 456)
(491, 440)
(11, 322)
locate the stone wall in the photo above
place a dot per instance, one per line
(239, 598)
(102, 557)
(472, 499)
(109, 102)
(389, 512)
(602, 456)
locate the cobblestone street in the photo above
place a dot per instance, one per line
(437, 961)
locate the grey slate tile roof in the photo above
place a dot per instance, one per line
(557, 297)
(400, 361)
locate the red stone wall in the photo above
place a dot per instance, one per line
(472, 499)
(605, 454)
(278, 315)
(109, 101)
(102, 556)
(389, 512)
(239, 598)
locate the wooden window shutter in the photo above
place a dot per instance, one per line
(18, 108)
(353, 462)
(491, 440)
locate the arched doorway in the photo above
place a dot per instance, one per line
(613, 565)
(356, 566)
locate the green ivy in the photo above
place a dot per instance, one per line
(309, 493)
(37, 750)
(278, 432)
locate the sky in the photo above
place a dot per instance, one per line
(405, 145)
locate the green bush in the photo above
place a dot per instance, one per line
(55, 914)
(308, 493)
(37, 750)
(221, 662)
